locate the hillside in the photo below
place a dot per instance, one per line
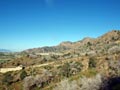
(108, 43)
(92, 43)
(88, 64)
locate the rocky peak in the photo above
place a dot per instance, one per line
(66, 43)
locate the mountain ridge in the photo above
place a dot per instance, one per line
(4, 50)
(68, 45)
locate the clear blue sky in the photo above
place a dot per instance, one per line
(34, 23)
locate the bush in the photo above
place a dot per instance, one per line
(114, 49)
(38, 81)
(114, 67)
(84, 83)
(89, 43)
(94, 83)
(65, 70)
(92, 63)
(97, 82)
(71, 68)
(23, 74)
(8, 78)
(66, 85)
(28, 83)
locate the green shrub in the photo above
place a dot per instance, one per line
(78, 66)
(65, 70)
(71, 68)
(8, 78)
(92, 63)
(89, 43)
(23, 74)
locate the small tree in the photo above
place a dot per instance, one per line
(89, 43)
(92, 63)
(23, 74)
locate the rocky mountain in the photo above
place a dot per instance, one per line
(92, 61)
(87, 44)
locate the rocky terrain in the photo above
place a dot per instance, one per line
(88, 64)
(94, 44)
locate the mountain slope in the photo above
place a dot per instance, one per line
(107, 38)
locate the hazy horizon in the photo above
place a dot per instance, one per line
(16, 50)
(28, 24)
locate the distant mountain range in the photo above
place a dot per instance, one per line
(4, 50)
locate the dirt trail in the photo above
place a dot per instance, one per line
(5, 70)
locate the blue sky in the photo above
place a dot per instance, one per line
(35, 23)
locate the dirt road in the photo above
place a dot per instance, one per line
(5, 70)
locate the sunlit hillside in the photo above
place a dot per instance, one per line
(89, 64)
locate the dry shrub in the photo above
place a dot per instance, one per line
(84, 83)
